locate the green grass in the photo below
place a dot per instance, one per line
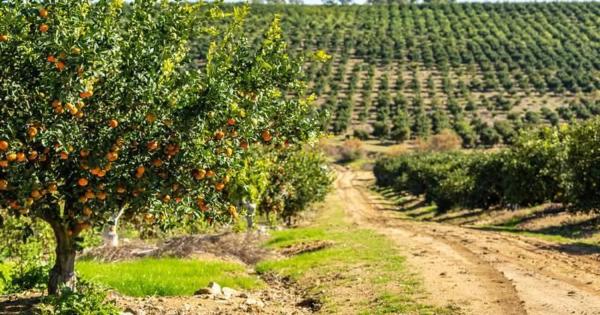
(359, 258)
(166, 276)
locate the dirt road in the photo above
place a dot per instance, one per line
(478, 271)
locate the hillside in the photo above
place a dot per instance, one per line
(485, 70)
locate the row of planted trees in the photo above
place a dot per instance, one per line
(447, 60)
(105, 114)
(558, 164)
(461, 34)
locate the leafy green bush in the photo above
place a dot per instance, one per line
(88, 299)
(583, 160)
(301, 179)
(351, 150)
(24, 254)
(5, 277)
(361, 134)
(545, 165)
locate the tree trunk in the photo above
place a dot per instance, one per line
(63, 272)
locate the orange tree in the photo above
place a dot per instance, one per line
(102, 108)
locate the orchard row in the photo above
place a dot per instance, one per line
(484, 62)
(552, 164)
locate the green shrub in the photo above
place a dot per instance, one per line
(5, 277)
(351, 150)
(25, 251)
(583, 159)
(361, 134)
(88, 299)
(532, 168)
(546, 165)
(301, 179)
(381, 129)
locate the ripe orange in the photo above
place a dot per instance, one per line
(199, 174)
(52, 188)
(90, 194)
(43, 13)
(113, 123)
(86, 94)
(139, 172)
(11, 157)
(219, 186)
(231, 121)
(157, 162)
(87, 211)
(112, 156)
(64, 155)
(3, 145)
(32, 155)
(210, 173)
(3, 184)
(35, 194)
(82, 182)
(152, 145)
(121, 190)
(101, 195)
(3, 164)
(71, 108)
(201, 204)
(95, 171)
(59, 109)
(32, 132)
(51, 58)
(3, 38)
(172, 149)
(84, 153)
(219, 135)
(60, 66)
(266, 135)
(21, 157)
(44, 28)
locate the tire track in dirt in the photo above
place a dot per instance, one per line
(479, 271)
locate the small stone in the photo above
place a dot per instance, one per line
(229, 293)
(215, 288)
(253, 302)
(131, 311)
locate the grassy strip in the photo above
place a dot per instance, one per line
(166, 276)
(362, 273)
